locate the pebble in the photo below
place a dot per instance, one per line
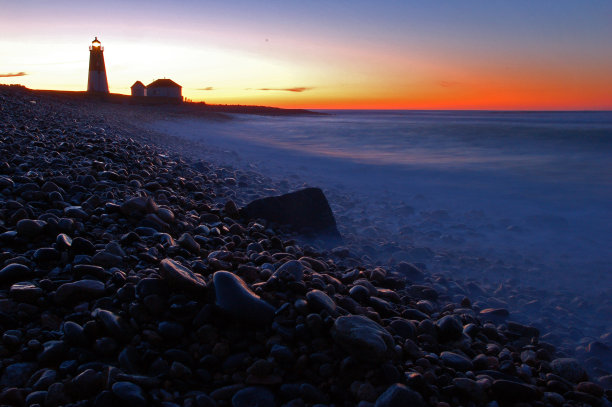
(253, 397)
(30, 228)
(363, 338)
(15, 272)
(79, 290)
(320, 301)
(456, 361)
(449, 328)
(399, 395)
(235, 298)
(129, 393)
(181, 277)
(568, 368)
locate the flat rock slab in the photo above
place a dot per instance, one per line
(306, 211)
(238, 301)
(363, 338)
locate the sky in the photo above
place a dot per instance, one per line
(384, 54)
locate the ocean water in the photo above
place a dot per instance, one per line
(531, 188)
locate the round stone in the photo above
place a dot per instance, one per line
(236, 299)
(363, 338)
(399, 395)
(253, 397)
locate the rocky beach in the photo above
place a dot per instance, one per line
(131, 274)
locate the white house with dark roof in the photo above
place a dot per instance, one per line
(165, 88)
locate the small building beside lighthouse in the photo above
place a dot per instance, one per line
(138, 89)
(96, 81)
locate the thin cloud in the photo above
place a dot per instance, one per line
(206, 88)
(12, 75)
(296, 89)
(448, 84)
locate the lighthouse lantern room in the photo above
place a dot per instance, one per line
(97, 82)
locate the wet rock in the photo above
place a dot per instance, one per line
(363, 338)
(320, 301)
(456, 361)
(410, 271)
(25, 292)
(181, 277)
(79, 290)
(74, 334)
(17, 374)
(568, 368)
(30, 228)
(449, 328)
(253, 397)
(306, 211)
(129, 393)
(235, 298)
(15, 272)
(292, 270)
(399, 395)
(507, 390)
(187, 241)
(114, 324)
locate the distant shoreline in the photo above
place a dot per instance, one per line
(188, 108)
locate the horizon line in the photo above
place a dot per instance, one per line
(516, 110)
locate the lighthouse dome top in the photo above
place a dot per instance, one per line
(95, 42)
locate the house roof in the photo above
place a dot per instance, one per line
(163, 83)
(137, 83)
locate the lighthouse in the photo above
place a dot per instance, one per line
(96, 83)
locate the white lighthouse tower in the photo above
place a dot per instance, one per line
(97, 83)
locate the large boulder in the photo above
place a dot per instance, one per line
(306, 211)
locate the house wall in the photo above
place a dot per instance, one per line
(166, 91)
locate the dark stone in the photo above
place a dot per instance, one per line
(74, 335)
(363, 338)
(306, 211)
(79, 290)
(449, 328)
(114, 324)
(88, 383)
(181, 277)
(170, 329)
(253, 397)
(319, 301)
(25, 292)
(507, 390)
(129, 394)
(46, 254)
(53, 351)
(17, 374)
(236, 299)
(456, 361)
(30, 228)
(399, 395)
(568, 368)
(404, 328)
(410, 271)
(15, 272)
(81, 245)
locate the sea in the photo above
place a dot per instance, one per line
(533, 188)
